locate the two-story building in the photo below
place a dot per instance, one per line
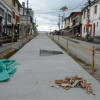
(77, 23)
(6, 14)
(15, 6)
(67, 24)
(94, 19)
(73, 23)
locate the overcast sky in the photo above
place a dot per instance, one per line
(47, 11)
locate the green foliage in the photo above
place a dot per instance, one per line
(64, 8)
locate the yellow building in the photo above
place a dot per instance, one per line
(15, 5)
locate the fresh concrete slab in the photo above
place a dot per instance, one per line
(36, 75)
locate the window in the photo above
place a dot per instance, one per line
(6, 17)
(0, 11)
(17, 19)
(9, 18)
(95, 10)
(88, 10)
(18, 8)
(65, 21)
(84, 29)
(14, 3)
(13, 15)
(84, 14)
(91, 30)
(97, 24)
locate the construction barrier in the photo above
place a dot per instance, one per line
(92, 50)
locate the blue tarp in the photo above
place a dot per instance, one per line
(7, 69)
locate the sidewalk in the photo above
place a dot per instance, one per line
(36, 75)
(16, 45)
(83, 43)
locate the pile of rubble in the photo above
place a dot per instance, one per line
(71, 82)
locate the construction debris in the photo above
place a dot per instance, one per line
(7, 69)
(71, 82)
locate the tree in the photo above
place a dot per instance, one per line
(64, 8)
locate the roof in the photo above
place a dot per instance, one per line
(91, 3)
(75, 13)
(18, 3)
(95, 1)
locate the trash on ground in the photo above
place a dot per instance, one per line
(71, 82)
(7, 69)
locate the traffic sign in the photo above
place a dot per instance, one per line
(88, 25)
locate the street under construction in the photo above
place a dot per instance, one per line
(38, 71)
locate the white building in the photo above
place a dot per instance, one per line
(94, 13)
(67, 23)
(6, 14)
(95, 18)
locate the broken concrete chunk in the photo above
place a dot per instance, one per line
(57, 86)
(76, 81)
(58, 81)
(65, 84)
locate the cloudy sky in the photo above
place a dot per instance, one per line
(47, 11)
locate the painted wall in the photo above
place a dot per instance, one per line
(67, 21)
(95, 19)
(94, 30)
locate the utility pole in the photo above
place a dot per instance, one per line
(27, 18)
(59, 23)
(35, 21)
(50, 29)
(35, 24)
(64, 8)
(27, 12)
(62, 22)
(89, 9)
(88, 12)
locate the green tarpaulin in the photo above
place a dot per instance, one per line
(7, 69)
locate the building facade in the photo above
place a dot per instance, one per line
(6, 14)
(27, 19)
(77, 24)
(73, 23)
(15, 6)
(94, 19)
(67, 23)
